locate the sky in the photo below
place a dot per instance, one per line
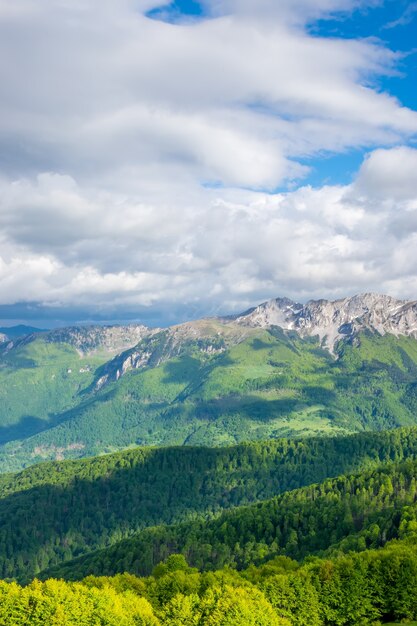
(164, 161)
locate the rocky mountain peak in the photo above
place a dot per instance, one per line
(334, 320)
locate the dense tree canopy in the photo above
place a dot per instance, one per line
(351, 512)
(94, 503)
(356, 589)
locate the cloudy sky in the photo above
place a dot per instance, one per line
(160, 162)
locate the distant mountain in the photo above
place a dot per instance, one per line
(106, 340)
(281, 369)
(337, 320)
(13, 332)
(329, 321)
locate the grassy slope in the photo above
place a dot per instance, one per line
(38, 382)
(269, 385)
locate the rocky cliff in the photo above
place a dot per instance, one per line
(335, 320)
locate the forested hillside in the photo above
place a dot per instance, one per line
(93, 503)
(205, 384)
(349, 512)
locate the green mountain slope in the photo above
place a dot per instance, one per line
(88, 504)
(350, 512)
(39, 380)
(205, 383)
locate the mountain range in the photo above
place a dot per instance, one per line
(279, 369)
(275, 482)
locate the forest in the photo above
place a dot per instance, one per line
(314, 531)
(90, 504)
(352, 512)
(366, 588)
(305, 532)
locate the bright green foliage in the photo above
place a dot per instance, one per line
(363, 589)
(294, 597)
(236, 606)
(89, 504)
(55, 603)
(221, 606)
(232, 384)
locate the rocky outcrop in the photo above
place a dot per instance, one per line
(207, 336)
(108, 339)
(332, 321)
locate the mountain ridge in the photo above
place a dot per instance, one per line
(331, 367)
(330, 320)
(333, 320)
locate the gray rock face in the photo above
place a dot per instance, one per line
(332, 321)
(108, 339)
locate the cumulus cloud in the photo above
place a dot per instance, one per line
(139, 159)
(213, 249)
(389, 174)
(96, 86)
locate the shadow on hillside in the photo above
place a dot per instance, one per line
(92, 503)
(259, 409)
(319, 395)
(27, 426)
(192, 373)
(181, 371)
(80, 511)
(249, 406)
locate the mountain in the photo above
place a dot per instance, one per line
(281, 369)
(337, 320)
(104, 340)
(8, 333)
(42, 375)
(309, 530)
(83, 505)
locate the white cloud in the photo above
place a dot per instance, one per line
(135, 157)
(218, 249)
(93, 87)
(389, 174)
(298, 11)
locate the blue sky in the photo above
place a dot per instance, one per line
(161, 162)
(393, 22)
